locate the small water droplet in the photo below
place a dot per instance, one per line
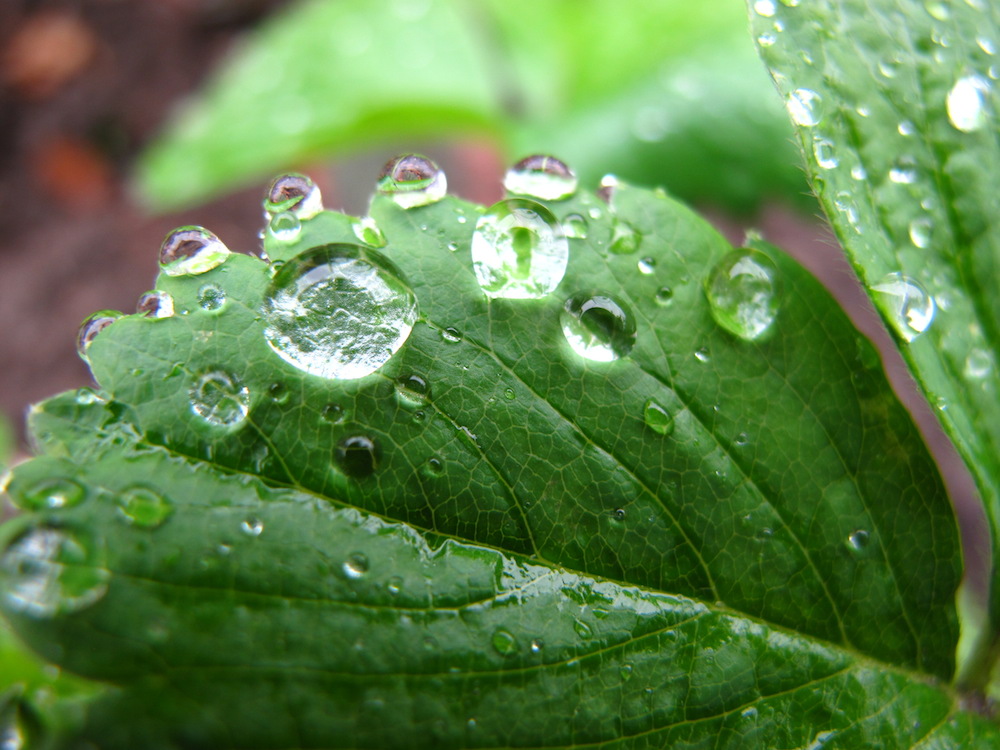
(278, 392)
(937, 10)
(190, 250)
(394, 585)
(367, 231)
(646, 265)
(357, 455)
(986, 45)
(412, 180)
(47, 571)
(618, 514)
(749, 713)
(355, 566)
(966, 103)
(219, 398)
(598, 326)
(295, 194)
(625, 672)
(624, 238)
(605, 191)
(412, 390)
(338, 311)
(805, 106)
(908, 305)
(889, 68)
(743, 293)
(766, 39)
(906, 128)
(575, 226)
(537, 645)
(543, 177)
(333, 413)
(451, 335)
(509, 394)
(702, 355)
(143, 507)
(504, 642)
(823, 151)
(858, 172)
(155, 304)
(211, 298)
(583, 630)
(51, 494)
(978, 364)
(764, 8)
(285, 227)
(519, 250)
(920, 232)
(664, 295)
(433, 467)
(92, 326)
(252, 526)
(858, 540)
(904, 171)
(657, 418)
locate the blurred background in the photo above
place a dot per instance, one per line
(122, 119)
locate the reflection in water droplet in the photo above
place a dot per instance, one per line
(357, 456)
(904, 171)
(90, 328)
(451, 335)
(966, 103)
(978, 364)
(509, 394)
(598, 326)
(338, 311)
(743, 293)
(657, 418)
(211, 298)
(539, 176)
(519, 250)
(143, 507)
(920, 232)
(412, 391)
(504, 642)
(219, 398)
(805, 106)
(294, 194)
(285, 227)
(155, 304)
(355, 566)
(412, 180)
(189, 251)
(252, 526)
(823, 151)
(858, 540)
(575, 226)
(46, 571)
(624, 238)
(368, 232)
(50, 494)
(908, 305)
(646, 265)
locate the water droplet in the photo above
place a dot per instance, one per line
(889, 68)
(920, 232)
(278, 392)
(646, 265)
(575, 226)
(906, 128)
(904, 171)
(790, 3)
(189, 251)
(766, 39)
(333, 413)
(978, 364)
(937, 10)
(294, 194)
(743, 291)
(211, 298)
(624, 238)
(908, 305)
(155, 304)
(605, 191)
(986, 45)
(858, 540)
(143, 507)
(451, 335)
(433, 467)
(749, 713)
(394, 585)
(537, 645)
(664, 295)
(519, 250)
(764, 8)
(219, 398)
(657, 418)
(539, 176)
(966, 103)
(355, 566)
(583, 630)
(702, 355)
(618, 514)
(50, 494)
(844, 203)
(357, 455)
(509, 394)
(412, 391)
(47, 571)
(598, 326)
(412, 180)
(90, 328)
(252, 526)
(805, 106)
(823, 151)
(504, 642)
(285, 227)
(338, 311)
(368, 232)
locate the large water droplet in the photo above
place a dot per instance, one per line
(412, 391)
(143, 507)
(966, 103)
(540, 176)
(357, 456)
(189, 251)
(805, 106)
(743, 293)
(285, 227)
(49, 494)
(657, 418)
(910, 308)
(90, 328)
(519, 250)
(355, 566)
(48, 571)
(338, 311)
(412, 180)
(294, 194)
(155, 304)
(504, 642)
(857, 541)
(219, 398)
(598, 326)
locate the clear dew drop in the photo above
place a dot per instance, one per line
(920, 232)
(606, 190)
(664, 295)
(906, 128)
(646, 265)
(702, 355)
(764, 8)
(625, 239)
(394, 585)
(47, 571)
(519, 250)
(252, 526)
(369, 232)
(91, 327)
(285, 227)
(357, 456)
(293, 194)
(155, 304)
(338, 311)
(937, 10)
(824, 153)
(743, 293)
(433, 467)
(904, 171)
(805, 106)
(412, 180)
(333, 413)
(219, 398)
(625, 672)
(978, 364)
(412, 391)
(52, 494)
(583, 630)
(858, 172)
(143, 507)
(575, 227)
(504, 642)
(909, 307)
(542, 177)
(966, 103)
(986, 45)
(211, 298)
(657, 417)
(598, 326)
(858, 541)
(537, 645)
(189, 251)
(355, 566)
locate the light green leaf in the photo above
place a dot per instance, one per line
(493, 541)
(903, 154)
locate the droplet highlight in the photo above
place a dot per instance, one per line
(743, 293)
(355, 566)
(542, 177)
(219, 398)
(155, 304)
(907, 304)
(598, 326)
(190, 251)
(966, 103)
(805, 107)
(51, 494)
(412, 180)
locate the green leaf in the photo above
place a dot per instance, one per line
(492, 540)
(906, 106)
(610, 91)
